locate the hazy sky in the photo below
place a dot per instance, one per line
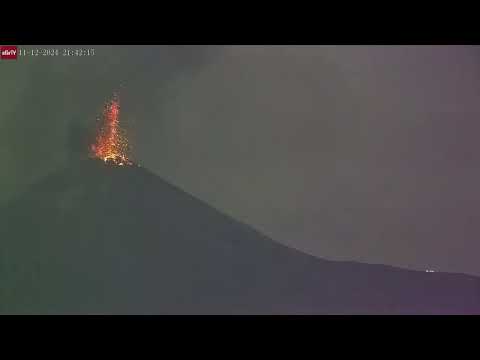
(365, 153)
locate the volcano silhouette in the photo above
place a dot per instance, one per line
(98, 239)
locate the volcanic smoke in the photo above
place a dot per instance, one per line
(111, 144)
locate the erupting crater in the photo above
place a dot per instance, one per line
(111, 143)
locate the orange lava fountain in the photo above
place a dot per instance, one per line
(111, 143)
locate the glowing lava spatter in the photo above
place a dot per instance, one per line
(111, 143)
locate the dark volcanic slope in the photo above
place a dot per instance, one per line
(99, 239)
